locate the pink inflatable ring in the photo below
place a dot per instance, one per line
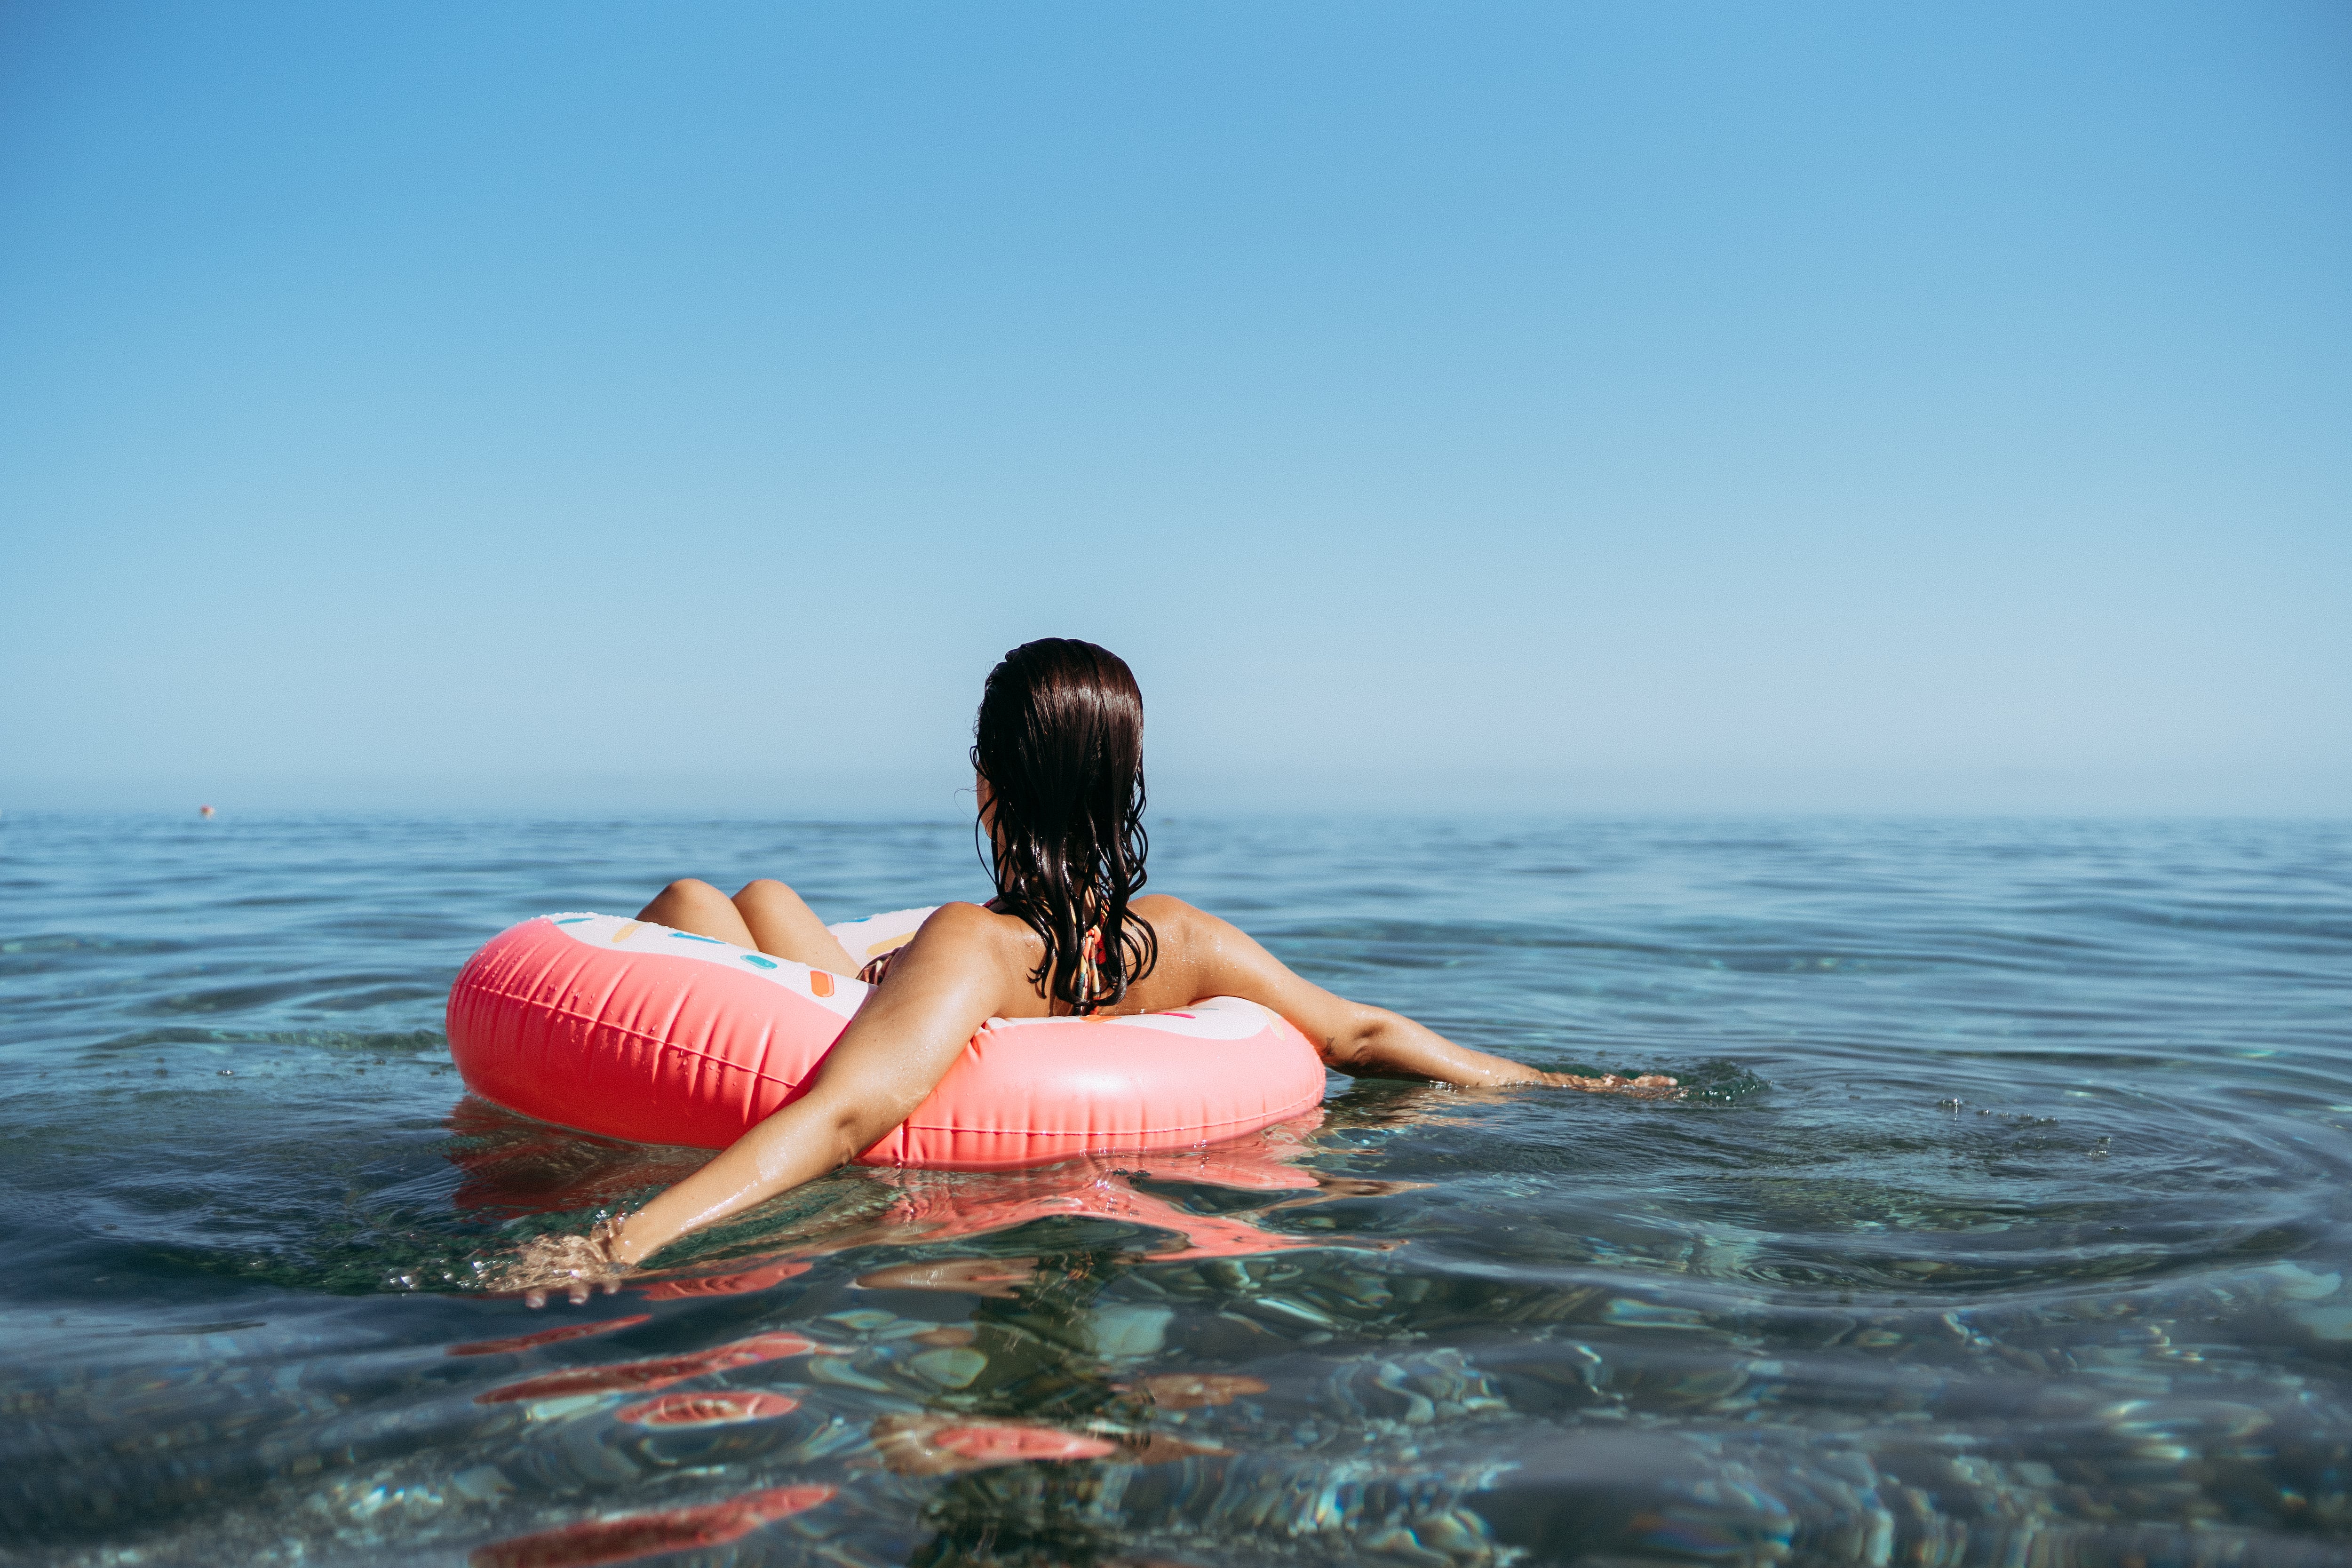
(633, 1030)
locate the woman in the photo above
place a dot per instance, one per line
(1059, 763)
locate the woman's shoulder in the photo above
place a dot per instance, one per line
(959, 917)
(1165, 912)
(975, 918)
(1182, 932)
(1002, 941)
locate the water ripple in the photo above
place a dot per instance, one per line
(2004, 1221)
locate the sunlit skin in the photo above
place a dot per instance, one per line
(966, 966)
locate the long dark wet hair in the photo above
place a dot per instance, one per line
(1060, 741)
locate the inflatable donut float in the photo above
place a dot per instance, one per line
(636, 1031)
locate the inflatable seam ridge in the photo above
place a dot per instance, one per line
(545, 1062)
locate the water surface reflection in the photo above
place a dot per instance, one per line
(2005, 1223)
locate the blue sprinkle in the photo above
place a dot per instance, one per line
(754, 959)
(689, 936)
(576, 920)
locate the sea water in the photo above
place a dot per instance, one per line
(2002, 1221)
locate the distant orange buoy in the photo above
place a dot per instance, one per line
(203, 811)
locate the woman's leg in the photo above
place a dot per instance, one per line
(696, 906)
(782, 924)
(766, 916)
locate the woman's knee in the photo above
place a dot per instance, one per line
(686, 894)
(686, 899)
(763, 888)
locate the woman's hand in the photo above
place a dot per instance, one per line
(574, 1265)
(1649, 1086)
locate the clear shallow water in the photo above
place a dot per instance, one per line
(2005, 1223)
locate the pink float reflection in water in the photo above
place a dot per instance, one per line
(630, 1376)
(941, 1206)
(551, 1336)
(932, 1443)
(668, 1410)
(937, 1206)
(975, 1205)
(637, 1535)
(688, 1287)
(518, 1164)
(929, 1445)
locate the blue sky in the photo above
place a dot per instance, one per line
(1718, 407)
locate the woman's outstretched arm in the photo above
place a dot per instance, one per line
(943, 986)
(1359, 1040)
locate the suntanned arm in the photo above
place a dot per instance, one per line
(1361, 1041)
(944, 984)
